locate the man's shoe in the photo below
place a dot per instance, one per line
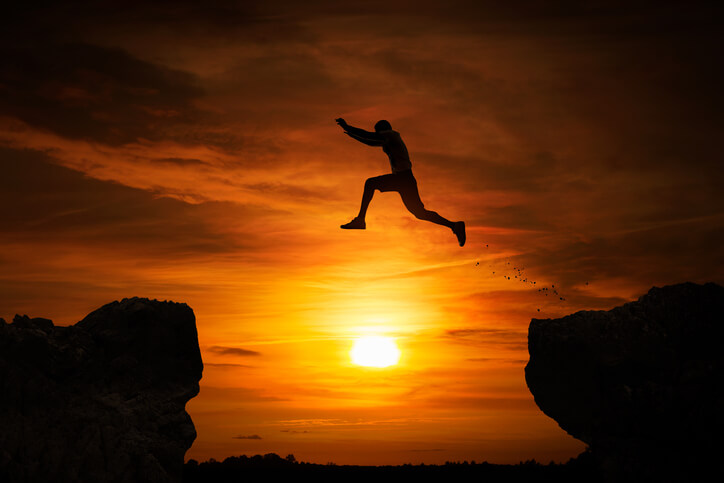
(356, 224)
(459, 230)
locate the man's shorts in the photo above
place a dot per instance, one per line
(404, 183)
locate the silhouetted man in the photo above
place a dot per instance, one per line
(401, 179)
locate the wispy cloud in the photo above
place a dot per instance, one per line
(515, 339)
(233, 351)
(216, 364)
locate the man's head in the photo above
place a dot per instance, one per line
(383, 126)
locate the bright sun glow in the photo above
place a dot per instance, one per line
(375, 351)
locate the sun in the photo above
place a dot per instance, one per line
(375, 351)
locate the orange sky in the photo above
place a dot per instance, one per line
(191, 154)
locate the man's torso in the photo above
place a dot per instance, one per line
(396, 151)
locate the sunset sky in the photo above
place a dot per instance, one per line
(190, 153)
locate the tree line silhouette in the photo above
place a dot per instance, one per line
(248, 468)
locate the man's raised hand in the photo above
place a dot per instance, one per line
(341, 122)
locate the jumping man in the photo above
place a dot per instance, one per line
(401, 179)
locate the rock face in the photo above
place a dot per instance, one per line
(640, 384)
(101, 401)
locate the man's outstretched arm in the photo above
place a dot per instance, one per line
(366, 137)
(368, 142)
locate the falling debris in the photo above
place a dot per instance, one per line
(518, 274)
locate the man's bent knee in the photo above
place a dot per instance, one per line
(372, 184)
(420, 212)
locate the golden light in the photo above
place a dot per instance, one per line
(375, 351)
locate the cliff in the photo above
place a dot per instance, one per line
(103, 400)
(640, 384)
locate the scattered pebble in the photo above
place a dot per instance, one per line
(519, 275)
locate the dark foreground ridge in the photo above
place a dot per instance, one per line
(271, 467)
(640, 384)
(102, 400)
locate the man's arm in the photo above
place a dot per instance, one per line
(368, 142)
(366, 137)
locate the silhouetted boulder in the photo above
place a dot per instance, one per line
(640, 384)
(101, 401)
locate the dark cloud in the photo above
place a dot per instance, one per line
(84, 91)
(80, 17)
(250, 436)
(293, 191)
(651, 254)
(532, 175)
(180, 161)
(280, 77)
(40, 200)
(234, 351)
